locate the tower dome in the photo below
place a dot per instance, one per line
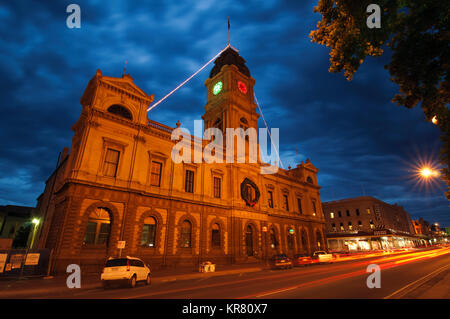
(228, 57)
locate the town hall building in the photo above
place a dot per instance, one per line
(118, 183)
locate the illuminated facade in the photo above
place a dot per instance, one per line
(119, 183)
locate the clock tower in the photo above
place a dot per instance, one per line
(230, 102)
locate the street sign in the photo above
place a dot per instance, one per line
(32, 259)
(2, 261)
(121, 244)
(16, 261)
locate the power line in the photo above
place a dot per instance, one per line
(187, 80)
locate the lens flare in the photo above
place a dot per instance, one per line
(424, 172)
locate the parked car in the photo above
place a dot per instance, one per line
(280, 261)
(302, 260)
(322, 256)
(128, 270)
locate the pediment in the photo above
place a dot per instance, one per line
(125, 84)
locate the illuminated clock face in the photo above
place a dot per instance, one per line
(217, 88)
(242, 87)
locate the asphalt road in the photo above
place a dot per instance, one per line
(337, 280)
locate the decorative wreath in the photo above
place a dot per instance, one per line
(245, 195)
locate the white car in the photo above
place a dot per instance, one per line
(322, 256)
(127, 270)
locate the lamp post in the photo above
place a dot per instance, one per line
(35, 222)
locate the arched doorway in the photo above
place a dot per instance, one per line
(304, 240)
(249, 240)
(273, 239)
(319, 240)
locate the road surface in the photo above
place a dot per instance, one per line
(400, 275)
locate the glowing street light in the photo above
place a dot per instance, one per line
(434, 120)
(427, 172)
(34, 221)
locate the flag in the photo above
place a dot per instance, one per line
(228, 23)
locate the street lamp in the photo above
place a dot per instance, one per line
(434, 120)
(427, 172)
(35, 222)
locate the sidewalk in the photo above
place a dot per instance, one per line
(20, 288)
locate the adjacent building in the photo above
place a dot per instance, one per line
(367, 223)
(15, 226)
(118, 183)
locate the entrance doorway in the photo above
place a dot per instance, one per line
(249, 240)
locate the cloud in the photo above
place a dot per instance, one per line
(352, 132)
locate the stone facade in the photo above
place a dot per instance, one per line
(119, 183)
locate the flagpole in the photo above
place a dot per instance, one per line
(228, 30)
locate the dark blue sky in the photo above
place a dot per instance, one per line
(351, 131)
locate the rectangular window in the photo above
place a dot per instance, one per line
(331, 215)
(286, 202)
(357, 212)
(270, 199)
(314, 208)
(368, 211)
(217, 187)
(155, 179)
(348, 213)
(189, 183)
(111, 162)
(299, 204)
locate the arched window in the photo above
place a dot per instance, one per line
(148, 232)
(309, 180)
(304, 239)
(98, 227)
(218, 124)
(244, 126)
(186, 234)
(215, 236)
(120, 111)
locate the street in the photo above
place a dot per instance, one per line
(401, 276)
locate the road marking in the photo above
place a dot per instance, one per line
(276, 292)
(421, 280)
